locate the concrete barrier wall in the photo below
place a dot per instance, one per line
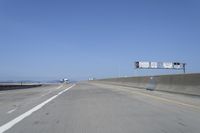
(183, 83)
(13, 87)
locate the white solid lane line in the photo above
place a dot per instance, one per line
(13, 122)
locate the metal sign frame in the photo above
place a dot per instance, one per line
(160, 65)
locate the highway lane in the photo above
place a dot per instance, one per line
(90, 108)
(15, 102)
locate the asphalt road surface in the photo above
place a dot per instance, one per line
(97, 108)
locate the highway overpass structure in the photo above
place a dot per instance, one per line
(117, 105)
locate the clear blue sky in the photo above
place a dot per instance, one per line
(51, 39)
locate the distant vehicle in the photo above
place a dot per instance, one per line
(65, 80)
(90, 79)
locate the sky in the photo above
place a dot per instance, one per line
(52, 39)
